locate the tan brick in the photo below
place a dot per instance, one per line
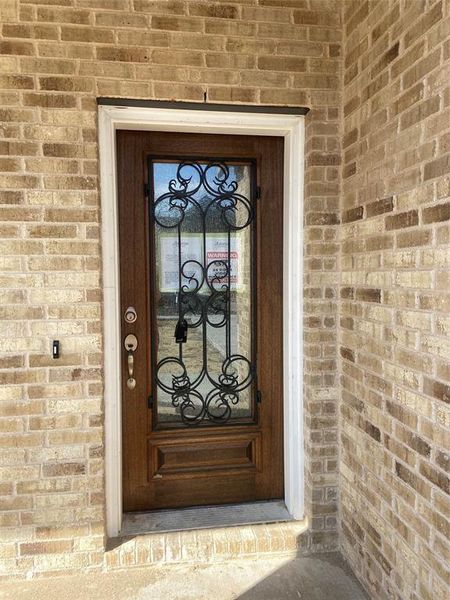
(10, 97)
(379, 207)
(66, 84)
(10, 164)
(64, 469)
(11, 114)
(305, 17)
(16, 48)
(437, 389)
(124, 54)
(283, 97)
(368, 295)
(172, 23)
(46, 547)
(153, 6)
(315, 81)
(229, 94)
(178, 58)
(270, 14)
(250, 46)
(19, 82)
(438, 167)
(9, 11)
(281, 63)
(63, 15)
(58, 231)
(19, 181)
(353, 214)
(414, 238)
(401, 220)
(230, 28)
(147, 38)
(225, 11)
(438, 213)
(50, 100)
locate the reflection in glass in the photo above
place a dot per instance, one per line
(202, 347)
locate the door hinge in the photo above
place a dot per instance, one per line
(258, 396)
(150, 401)
(258, 192)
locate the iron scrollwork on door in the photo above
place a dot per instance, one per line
(202, 226)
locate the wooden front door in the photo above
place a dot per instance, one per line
(200, 230)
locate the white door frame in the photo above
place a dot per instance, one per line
(291, 127)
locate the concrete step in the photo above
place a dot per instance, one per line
(318, 577)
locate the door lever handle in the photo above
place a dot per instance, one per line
(130, 363)
(130, 344)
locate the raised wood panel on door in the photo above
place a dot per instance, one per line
(205, 465)
(193, 457)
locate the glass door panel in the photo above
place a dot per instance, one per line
(203, 341)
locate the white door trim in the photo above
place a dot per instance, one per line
(291, 127)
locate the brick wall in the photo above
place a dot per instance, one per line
(395, 301)
(56, 57)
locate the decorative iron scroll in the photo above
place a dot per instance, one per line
(211, 307)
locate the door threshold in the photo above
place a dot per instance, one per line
(204, 517)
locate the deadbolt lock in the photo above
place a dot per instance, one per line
(130, 314)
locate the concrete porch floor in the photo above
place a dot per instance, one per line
(318, 577)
